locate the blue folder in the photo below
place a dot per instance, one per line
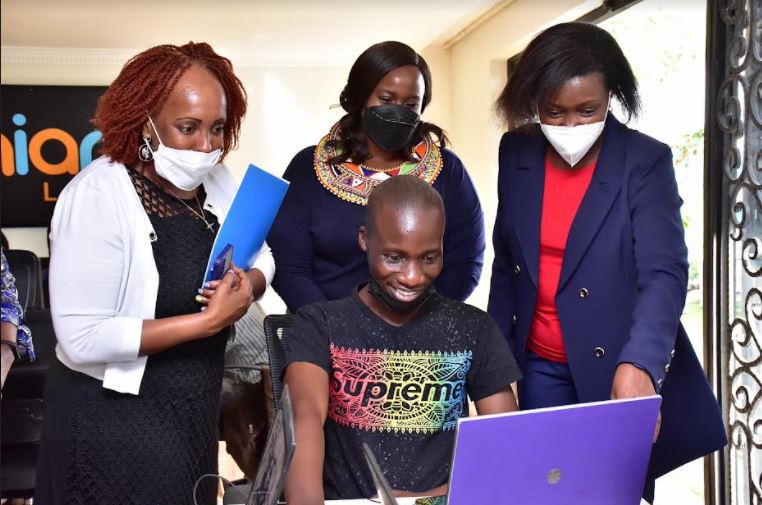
(250, 217)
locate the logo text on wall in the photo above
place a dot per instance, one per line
(25, 153)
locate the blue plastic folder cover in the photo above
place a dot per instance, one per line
(249, 219)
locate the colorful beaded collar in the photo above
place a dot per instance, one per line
(353, 182)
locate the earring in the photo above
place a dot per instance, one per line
(144, 152)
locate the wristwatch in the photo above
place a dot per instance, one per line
(13, 345)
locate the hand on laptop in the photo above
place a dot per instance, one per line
(437, 491)
(632, 382)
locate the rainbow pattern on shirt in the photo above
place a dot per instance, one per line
(397, 391)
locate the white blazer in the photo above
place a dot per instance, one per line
(103, 278)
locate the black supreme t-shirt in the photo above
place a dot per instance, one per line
(400, 389)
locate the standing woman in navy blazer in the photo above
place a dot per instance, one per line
(590, 271)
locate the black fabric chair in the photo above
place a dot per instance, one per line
(275, 328)
(21, 410)
(21, 426)
(45, 262)
(27, 380)
(27, 269)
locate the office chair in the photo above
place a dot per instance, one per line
(27, 380)
(27, 269)
(22, 400)
(21, 422)
(275, 327)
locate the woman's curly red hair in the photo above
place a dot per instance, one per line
(144, 84)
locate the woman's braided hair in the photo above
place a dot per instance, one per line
(143, 86)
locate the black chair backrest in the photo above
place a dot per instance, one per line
(21, 410)
(275, 327)
(27, 380)
(27, 269)
(45, 262)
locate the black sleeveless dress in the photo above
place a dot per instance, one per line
(103, 447)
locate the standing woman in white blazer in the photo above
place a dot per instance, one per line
(131, 405)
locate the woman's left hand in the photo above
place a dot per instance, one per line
(632, 382)
(205, 293)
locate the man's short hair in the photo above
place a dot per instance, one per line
(402, 192)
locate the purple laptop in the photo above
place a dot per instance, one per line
(590, 453)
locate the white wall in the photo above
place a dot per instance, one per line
(439, 111)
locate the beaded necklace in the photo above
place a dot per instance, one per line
(353, 182)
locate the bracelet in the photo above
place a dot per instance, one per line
(14, 347)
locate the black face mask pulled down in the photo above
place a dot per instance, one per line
(400, 307)
(389, 126)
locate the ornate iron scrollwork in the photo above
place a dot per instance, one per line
(739, 117)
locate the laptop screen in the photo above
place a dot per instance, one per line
(279, 450)
(385, 493)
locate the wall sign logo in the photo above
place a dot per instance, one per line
(46, 138)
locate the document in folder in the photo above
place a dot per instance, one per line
(249, 219)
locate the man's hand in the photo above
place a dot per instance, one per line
(632, 382)
(437, 491)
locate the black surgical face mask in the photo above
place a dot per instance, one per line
(400, 307)
(389, 126)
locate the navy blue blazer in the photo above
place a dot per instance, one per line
(622, 285)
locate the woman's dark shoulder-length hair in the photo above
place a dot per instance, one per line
(560, 53)
(371, 66)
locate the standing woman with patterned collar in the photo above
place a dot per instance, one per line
(314, 238)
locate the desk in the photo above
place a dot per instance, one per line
(401, 501)
(361, 501)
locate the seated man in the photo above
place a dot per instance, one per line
(391, 364)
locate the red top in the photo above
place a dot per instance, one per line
(564, 190)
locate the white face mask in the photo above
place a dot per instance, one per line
(185, 169)
(573, 142)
